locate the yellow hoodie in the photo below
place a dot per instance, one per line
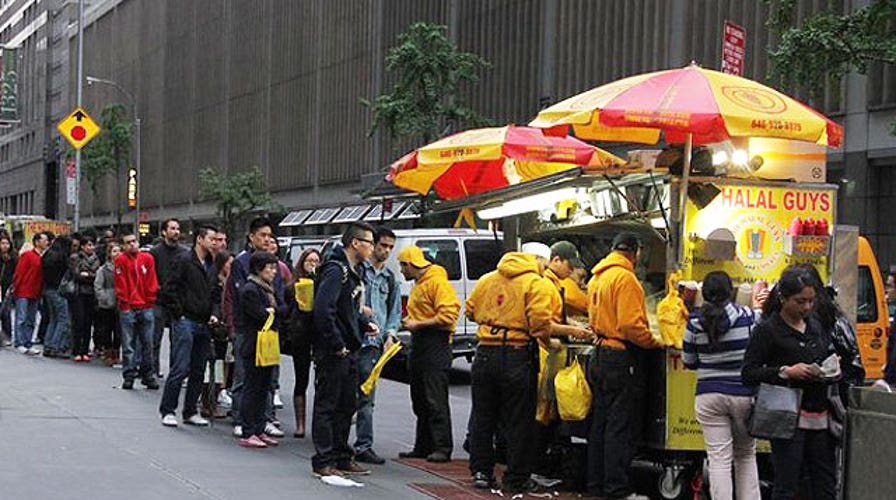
(617, 311)
(576, 300)
(434, 297)
(513, 300)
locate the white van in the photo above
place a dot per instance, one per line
(466, 255)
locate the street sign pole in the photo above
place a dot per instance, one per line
(80, 95)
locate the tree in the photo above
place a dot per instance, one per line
(235, 195)
(430, 71)
(110, 149)
(830, 45)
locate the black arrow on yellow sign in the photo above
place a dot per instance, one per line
(79, 115)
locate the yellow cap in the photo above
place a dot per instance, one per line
(412, 255)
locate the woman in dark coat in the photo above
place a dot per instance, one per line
(257, 301)
(8, 260)
(299, 328)
(786, 349)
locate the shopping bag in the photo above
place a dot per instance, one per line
(551, 363)
(267, 345)
(776, 412)
(370, 383)
(573, 393)
(672, 315)
(304, 294)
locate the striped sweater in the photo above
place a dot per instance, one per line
(718, 366)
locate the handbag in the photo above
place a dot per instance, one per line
(776, 412)
(67, 286)
(267, 345)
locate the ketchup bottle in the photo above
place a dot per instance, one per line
(808, 227)
(821, 227)
(796, 227)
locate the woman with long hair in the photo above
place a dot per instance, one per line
(786, 349)
(299, 324)
(55, 264)
(106, 330)
(86, 264)
(8, 260)
(715, 341)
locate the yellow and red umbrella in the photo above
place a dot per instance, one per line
(709, 105)
(480, 160)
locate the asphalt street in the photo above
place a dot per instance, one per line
(72, 433)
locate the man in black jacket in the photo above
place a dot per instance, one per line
(191, 297)
(165, 253)
(339, 327)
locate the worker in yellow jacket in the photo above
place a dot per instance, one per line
(618, 316)
(564, 259)
(512, 305)
(432, 312)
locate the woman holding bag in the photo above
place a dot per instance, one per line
(257, 302)
(786, 349)
(299, 328)
(714, 344)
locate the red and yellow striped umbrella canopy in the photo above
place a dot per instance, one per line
(710, 105)
(481, 160)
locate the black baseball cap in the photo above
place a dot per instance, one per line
(567, 251)
(626, 242)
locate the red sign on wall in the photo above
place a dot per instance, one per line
(733, 41)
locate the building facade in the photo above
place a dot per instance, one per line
(230, 84)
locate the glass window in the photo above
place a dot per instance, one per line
(482, 257)
(866, 305)
(444, 253)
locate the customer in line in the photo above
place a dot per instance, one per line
(300, 329)
(786, 349)
(715, 342)
(106, 331)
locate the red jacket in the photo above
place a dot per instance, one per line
(136, 283)
(28, 280)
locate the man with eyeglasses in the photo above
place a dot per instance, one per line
(340, 329)
(136, 286)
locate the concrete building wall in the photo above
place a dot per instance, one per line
(230, 84)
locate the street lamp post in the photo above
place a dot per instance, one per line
(133, 102)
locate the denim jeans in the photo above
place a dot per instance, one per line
(367, 358)
(190, 348)
(26, 312)
(136, 343)
(57, 329)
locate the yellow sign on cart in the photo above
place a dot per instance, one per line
(78, 128)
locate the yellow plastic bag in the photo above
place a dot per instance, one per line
(672, 315)
(267, 345)
(573, 393)
(304, 294)
(370, 383)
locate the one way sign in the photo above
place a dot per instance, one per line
(78, 128)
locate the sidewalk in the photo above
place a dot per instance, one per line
(70, 432)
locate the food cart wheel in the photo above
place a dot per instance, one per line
(671, 482)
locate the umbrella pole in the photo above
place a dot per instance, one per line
(683, 197)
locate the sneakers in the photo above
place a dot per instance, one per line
(370, 457)
(412, 454)
(128, 384)
(272, 430)
(252, 442)
(225, 400)
(268, 440)
(327, 471)
(238, 431)
(169, 420)
(150, 383)
(438, 457)
(278, 403)
(483, 481)
(22, 349)
(353, 469)
(33, 351)
(196, 419)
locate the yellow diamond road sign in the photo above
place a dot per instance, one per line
(78, 128)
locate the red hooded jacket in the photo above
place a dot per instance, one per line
(136, 283)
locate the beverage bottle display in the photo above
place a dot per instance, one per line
(796, 227)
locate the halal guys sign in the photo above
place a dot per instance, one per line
(758, 216)
(78, 128)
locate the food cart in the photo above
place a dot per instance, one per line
(23, 227)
